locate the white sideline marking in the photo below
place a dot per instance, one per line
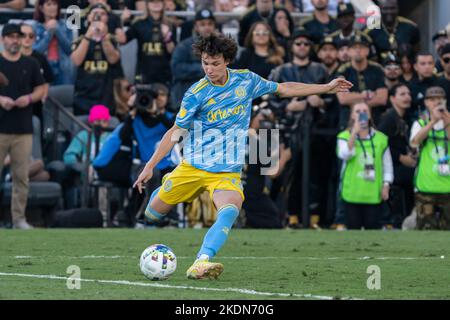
(158, 285)
(246, 258)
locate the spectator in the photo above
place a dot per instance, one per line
(302, 69)
(321, 23)
(367, 169)
(29, 37)
(260, 210)
(155, 44)
(95, 54)
(431, 135)
(186, 67)
(424, 66)
(114, 21)
(368, 80)
(444, 79)
(406, 59)
(122, 94)
(282, 26)
(343, 51)
(53, 39)
(394, 126)
(262, 11)
(262, 52)
(308, 7)
(440, 39)
(346, 21)
(392, 71)
(328, 56)
(76, 154)
(10, 4)
(397, 33)
(25, 87)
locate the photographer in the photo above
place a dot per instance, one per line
(260, 210)
(431, 135)
(367, 169)
(135, 141)
(96, 56)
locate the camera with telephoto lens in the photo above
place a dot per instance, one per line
(145, 96)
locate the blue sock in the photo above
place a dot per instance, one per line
(218, 233)
(150, 213)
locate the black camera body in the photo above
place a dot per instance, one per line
(145, 95)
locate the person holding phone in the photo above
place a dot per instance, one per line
(367, 170)
(432, 178)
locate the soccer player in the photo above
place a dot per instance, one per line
(221, 104)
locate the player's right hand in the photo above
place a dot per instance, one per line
(145, 175)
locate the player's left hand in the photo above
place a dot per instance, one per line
(339, 85)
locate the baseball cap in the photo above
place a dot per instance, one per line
(99, 112)
(327, 40)
(358, 39)
(204, 14)
(391, 59)
(439, 34)
(344, 9)
(11, 28)
(302, 32)
(445, 49)
(435, 92)
(98, 6)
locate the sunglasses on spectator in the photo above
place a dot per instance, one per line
(261, 33)
(300, 43)
(392, 67)
(446, 60)
(28, 35)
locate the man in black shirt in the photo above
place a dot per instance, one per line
(424, 66)
(392, 71)
(262, 11)
(393, 125)
(321, 23)
(96, 56)
(396, 32)
(302, 69)
(444, 79)
(25, 87)
(367, 78)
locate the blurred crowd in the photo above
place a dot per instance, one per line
(376, 157)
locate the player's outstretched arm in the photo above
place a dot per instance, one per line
(297, 89)
(170, 138)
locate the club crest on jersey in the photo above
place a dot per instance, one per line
(240, 92)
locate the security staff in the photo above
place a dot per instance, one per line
(320, 24)
(395, 33)
(432, 179)
(368, 80)
(367, 169)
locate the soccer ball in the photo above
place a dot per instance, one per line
(158, 262)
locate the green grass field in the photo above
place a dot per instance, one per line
(283, 264)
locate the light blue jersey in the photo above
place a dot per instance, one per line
(218, 119)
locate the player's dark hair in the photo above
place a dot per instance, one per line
(215, 45)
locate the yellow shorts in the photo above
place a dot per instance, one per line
(186, 182)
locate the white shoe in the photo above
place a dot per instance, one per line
(22, 224)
